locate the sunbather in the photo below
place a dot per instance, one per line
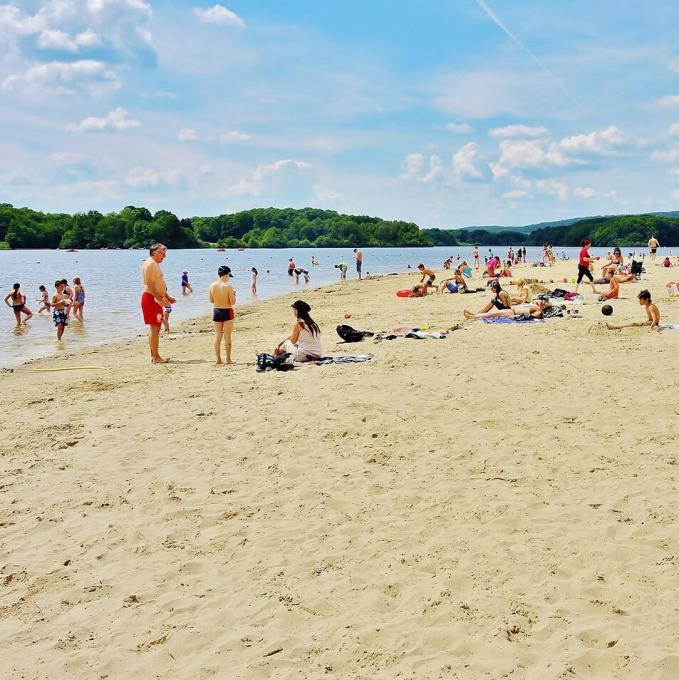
(534, 310)
(501, 301)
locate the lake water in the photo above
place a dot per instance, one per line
(112, 282)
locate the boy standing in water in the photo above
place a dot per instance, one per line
(60, 303)
(223, 297)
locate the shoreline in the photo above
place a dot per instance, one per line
(499, 500)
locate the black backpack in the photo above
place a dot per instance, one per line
(349, 334)
(268, 362)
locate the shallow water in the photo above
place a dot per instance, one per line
(112, 282)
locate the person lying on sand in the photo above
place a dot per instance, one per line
(532, 309)
(652, 312)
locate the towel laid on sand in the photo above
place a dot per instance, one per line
(339, 359)
(511, 319)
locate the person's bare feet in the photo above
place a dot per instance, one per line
(159, 360)
(468, 314)
(229, 362)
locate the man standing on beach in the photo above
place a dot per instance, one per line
(653, 245)
(154, 298)
(358, 256)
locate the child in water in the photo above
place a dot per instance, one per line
(60, 303)
(44, 300)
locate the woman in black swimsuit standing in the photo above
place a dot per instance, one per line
(502, 300)
(18, 303)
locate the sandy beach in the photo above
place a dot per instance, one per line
(501, 503)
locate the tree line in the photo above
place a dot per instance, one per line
(137, 227)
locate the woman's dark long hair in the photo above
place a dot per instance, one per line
(303, 309)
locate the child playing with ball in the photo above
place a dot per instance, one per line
(652, 312)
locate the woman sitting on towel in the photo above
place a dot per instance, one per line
(304, 343)
(501, 301)
(534, 310)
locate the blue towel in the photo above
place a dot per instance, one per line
(509, 319)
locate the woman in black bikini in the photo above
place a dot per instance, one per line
(502, 300)
(18, 303)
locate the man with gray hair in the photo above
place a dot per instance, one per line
(154, 298)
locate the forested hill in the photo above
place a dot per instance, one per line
(134, 227)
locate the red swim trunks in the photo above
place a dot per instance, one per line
(152, 311)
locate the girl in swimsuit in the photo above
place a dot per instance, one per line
(501, 301)
(78, 298)
(18, 304)
(44, 300)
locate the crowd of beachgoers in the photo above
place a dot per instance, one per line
(529, 301)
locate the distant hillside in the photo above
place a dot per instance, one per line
(528, 228)
(621, 230)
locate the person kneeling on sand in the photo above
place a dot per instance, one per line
(532, 309)
(223, 297)
(652, 312)
(304, 343)
(426, 274)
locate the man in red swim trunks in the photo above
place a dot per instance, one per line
(154, 298)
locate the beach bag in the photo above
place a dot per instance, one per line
(269, 362)
(349, 334)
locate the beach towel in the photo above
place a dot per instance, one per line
(511, 319)
(339, 359)
(670, 326)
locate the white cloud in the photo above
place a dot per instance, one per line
(522, 131)
(435, 169)
(289, 179)
(527, 154)
(327, 195)
(88, 39)
(56, 40)
(147, 178)
(669, 156)
(218, 14)
(675, 194)
(602, 142)
(673, 130)
(233, 136)
(187, 135)
(413, 163)
(59, 77)
(673, 64)
(101, 6)
(115, 121)
(517, 194)
(117, 28)
(466, 162)
(459, 128)
(669, 102)
(584, 192)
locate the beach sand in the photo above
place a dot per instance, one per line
(501, 503)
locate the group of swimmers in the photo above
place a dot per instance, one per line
(66, 301)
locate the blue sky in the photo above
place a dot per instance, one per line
(444, 113)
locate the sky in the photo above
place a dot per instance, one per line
(447, 114)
